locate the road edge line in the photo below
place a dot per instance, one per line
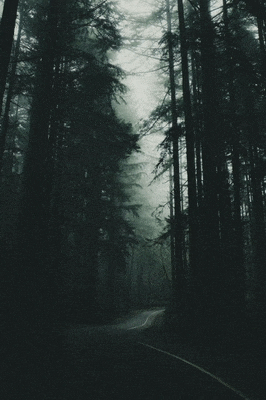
(238, 392)
(145, 322)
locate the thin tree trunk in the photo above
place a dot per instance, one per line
(12, 81)
(172, 238)
(198, 126)
(177, 274)
(34, 221)
(259, 235)
(238, 289)
(7, 27)
(260, 23)
(210, 273)
(192, 193)
(36, 310)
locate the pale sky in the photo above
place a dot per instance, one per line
(136, 6)
(143, 84)
(145, 93)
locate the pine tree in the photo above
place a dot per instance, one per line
(190, 143)
(177, 275)
(72, 163)
(209, 276)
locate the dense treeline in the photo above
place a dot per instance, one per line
(63, 204)
(213, 60)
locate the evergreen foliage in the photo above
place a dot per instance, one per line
(219, 54)
(70, 206)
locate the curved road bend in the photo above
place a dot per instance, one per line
(111, 362)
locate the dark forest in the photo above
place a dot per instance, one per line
(74, 249)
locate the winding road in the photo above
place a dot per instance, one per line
(119, 362)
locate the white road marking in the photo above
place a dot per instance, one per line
(200, 369)
(145, 322)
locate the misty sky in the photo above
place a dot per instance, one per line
(145, 92)
(142, 83)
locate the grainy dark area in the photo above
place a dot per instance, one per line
(132, 199)
(110, 363)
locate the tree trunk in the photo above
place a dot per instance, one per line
(177, 273)
(198, 126)
(7, 27)
(259, 235)
(192, 194)
(171, 201)
(238, 271)
(36, 290)
(210, 273)
(261, 35)
(12, 81)
(35, 208)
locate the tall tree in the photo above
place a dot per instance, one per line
(210, 274)
(12, 80)
(178, 280)
(35, 201)
(237, 255)
(70, 184)
(7, 27)
(190, 142)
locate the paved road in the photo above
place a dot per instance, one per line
(113, 362)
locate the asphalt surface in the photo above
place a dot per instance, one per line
(118, 362)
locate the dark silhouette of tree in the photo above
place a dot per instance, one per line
(177, 275)
(72, 202)
(224, 78)
(210, 265)
(12, 81)
(190, 143)
(236, 255)
(7, 27)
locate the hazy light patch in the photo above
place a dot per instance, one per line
(143, 319)
(136, 6)
(139, 66)
(145, 92)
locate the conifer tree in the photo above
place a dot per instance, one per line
(190, 142)
(178, 273)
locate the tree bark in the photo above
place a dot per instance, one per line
(177, 273)
(192, 193)
(238, 271)
(198, 126)
(259, 235)
(210, 263)
(34, 219)
(36, 287)
(12, 80)
(7, 27)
